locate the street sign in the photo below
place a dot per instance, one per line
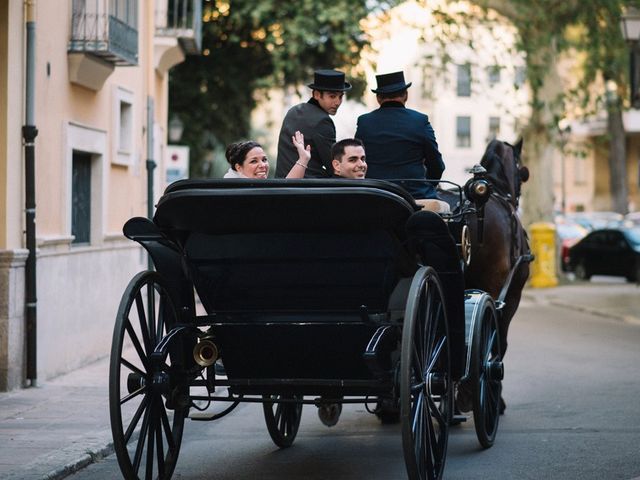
(176, 163)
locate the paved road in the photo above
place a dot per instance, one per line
(572, 387)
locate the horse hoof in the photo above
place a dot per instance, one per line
(329, 413)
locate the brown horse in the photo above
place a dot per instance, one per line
(499, 264)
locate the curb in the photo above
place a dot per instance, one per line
(629, 319)
(67, 461)
(85, 460)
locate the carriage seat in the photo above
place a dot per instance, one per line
(324, 245)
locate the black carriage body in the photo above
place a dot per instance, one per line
(297, 277)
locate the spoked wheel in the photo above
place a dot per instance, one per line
(486, 373)
(145, 422)
(426, 394)
(282, 419)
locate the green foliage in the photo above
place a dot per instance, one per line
(259, 44)
(547, 28)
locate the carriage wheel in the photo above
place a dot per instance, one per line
(426, 395)
(486, 373)
(282, 419)
(146, 432)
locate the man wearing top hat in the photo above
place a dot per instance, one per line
(400, 142)
(312, 119)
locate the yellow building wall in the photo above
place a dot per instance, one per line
(4, 67)
(633, 167)
(11, 121)
(58, 102)
(602, 176)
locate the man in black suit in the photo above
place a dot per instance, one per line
(400, 142)
(312, 119)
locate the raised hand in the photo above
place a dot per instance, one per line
(304, 154)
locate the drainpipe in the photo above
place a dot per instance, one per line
(151, 165)
(29, 133)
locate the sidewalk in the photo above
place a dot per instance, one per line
(56, 428)
(61, 426)
(607, 297)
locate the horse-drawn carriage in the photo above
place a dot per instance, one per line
(311, 292)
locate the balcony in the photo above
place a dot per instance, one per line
(104, 34)
(105, 29)
(178, 31)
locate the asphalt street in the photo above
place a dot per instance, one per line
(571, 385)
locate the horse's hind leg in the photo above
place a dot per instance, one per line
(509, 310)
(511, 303)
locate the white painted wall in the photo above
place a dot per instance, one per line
(78, 297)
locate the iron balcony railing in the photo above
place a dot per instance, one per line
(107, 29)
(181, 19)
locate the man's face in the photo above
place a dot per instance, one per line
(353, 163)
(329, 101)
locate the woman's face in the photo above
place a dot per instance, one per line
(255, 164)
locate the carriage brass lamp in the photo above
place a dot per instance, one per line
(630, 26)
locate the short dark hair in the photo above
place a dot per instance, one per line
(392, 95)
(337, 149)
(236, 152)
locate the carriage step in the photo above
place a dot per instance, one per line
(201, 415)
(457, 419)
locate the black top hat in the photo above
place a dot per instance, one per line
(390, 83)
(330, 81)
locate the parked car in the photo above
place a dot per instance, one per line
(632, 220)
(595, 220)
(609, 251)
(568, 235)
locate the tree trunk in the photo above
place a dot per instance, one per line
(617, 160)
(537, 193)
(540, 146)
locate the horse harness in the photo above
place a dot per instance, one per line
(519, 237)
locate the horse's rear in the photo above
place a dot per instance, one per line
(493, 260)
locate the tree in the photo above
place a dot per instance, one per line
(250, 45)
(544, 28)
(253, 45)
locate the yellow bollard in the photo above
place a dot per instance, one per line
(543, 246)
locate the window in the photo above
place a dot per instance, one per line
(598, 238)
(494, 128)
(125, 10)
(81, 197)
(464, 80)
(493, 75)
(126, 123)
(84, 190)
(520, 77)
(463, 132)
(123, 113)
